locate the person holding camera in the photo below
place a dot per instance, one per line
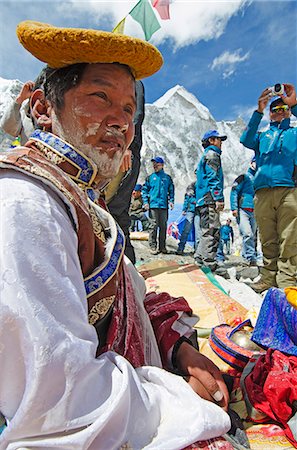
(275, 185)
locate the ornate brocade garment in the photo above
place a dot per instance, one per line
(70, 174)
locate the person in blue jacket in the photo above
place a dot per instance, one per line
(275, 188)
(189, 208)
(226, 237)
(210, 199)
(242, 207)
(158, 194)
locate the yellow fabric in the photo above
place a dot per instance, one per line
(207, 301)
(112, 187)
(139, 235)
(291, 294)
(120, 27)
(61, 47)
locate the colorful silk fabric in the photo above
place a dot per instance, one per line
(276, 326)
(270, 389)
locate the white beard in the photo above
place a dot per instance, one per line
(108, 167)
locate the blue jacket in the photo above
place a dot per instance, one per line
(158, 190)
(275, 151)
(242, 191)
(210, 180)
(190, 199)
(226, 232)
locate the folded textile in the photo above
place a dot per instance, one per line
(276, 326)
(270, 390)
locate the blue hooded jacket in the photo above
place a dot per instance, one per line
(210, 179)
(158, 190)
(275, 151)
(242, 191)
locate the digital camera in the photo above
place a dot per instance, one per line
(276, 90)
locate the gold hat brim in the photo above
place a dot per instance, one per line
(61, 47)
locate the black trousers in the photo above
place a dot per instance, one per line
(159, 217)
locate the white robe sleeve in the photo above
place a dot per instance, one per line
(53, 391)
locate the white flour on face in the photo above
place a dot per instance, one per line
(108, 158)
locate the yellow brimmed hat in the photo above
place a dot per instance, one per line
(61, 47)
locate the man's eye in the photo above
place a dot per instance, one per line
(100, 95)
(129, 110)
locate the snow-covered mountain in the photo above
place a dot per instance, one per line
(172, 128)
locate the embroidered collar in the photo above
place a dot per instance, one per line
(86, 169)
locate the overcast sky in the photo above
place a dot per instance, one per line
(224, 52)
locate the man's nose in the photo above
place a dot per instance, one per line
(118, 119)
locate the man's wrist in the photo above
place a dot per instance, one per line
(176, 351)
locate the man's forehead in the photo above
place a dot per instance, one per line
(101, 71)
(109, 75)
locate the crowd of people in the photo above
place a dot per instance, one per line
(262, 200)
(88, 359)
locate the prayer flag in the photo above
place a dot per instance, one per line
(162, 6)
(119, 29)
(145, 16)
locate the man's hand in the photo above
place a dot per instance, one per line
(26, 92)
(146, 206)
(171, 205)
(203, 375)
(127, 161)
(290, 98)
(220, 206)
(235, 213)
(263, 100)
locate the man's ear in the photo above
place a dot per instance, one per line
(41, 110)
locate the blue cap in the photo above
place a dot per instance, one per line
(137, 187)
(213, 133)
(158, 159)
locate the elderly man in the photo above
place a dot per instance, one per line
(63, 276)
(275, 188)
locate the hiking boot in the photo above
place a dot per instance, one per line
(164, 251)
(244, 263)
(179, 252)
(260, 286)
(198, 262)
(253, 263)
(154, 251)
(221, 263)
(221, 272)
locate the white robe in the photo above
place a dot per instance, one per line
(53, 391)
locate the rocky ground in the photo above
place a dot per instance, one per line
(233, 264)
